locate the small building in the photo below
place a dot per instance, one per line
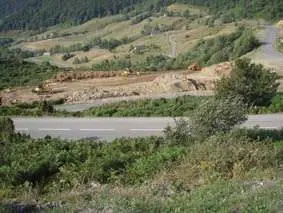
(137, 48)
(47, 54)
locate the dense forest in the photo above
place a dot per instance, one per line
(34, 14)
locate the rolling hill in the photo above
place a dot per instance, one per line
(38, 14)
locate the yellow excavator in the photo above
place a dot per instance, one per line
(129, 72)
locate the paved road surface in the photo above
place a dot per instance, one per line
(110, 128)
(269, 46)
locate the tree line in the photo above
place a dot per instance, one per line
(35, 15)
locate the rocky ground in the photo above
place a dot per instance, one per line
(87, 89)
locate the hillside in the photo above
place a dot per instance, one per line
(145, 42)
(33, 14)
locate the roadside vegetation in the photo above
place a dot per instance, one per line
(155, 174)
(175, 107)
(280, 45)
(202, 164)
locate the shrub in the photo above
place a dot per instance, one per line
(225, 157)
(217, 116)
(144, 168)
(6, 126)
(253, 83)
(46, 107)
(179, 134)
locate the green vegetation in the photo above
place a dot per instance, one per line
(95, 42)
(217, 116)
(14, 71)
(20, 15)
(33, 109)
(20, 73)
(145, 174)
(4, 42)
(6, 127)
(206, 52)
(253, 83)
(175, 107)
(280, 44)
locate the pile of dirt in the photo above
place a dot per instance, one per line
(95, 93)
(165, 83)
(70, 76)
(280, 24)
(182, 82)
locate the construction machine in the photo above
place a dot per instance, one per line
(195, 67)
(129, 72)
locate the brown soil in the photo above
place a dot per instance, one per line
(87, 88)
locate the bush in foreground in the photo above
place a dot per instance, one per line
(6, 126)
(217, 116)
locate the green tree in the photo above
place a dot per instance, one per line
(253, 83)
(217, 116)
(76, 60)
(6, 126)
(46, 107)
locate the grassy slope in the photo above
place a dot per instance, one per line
(117, 27)
(146, 175)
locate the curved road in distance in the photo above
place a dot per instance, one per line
(268, 55)
(269, 49)
(111, 128)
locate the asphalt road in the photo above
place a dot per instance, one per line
(269, 44)
(110, 128)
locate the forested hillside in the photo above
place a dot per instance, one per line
(35, 14)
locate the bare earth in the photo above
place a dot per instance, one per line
(161, 84)
(147, 85)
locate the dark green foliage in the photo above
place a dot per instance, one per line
(46, 161)
(14, 54)
(14, 71)
(275, 106)
(220, 49)
(253, 83)
(67, 56)
(4, 42)
(6, 126)
(48, 13)
(268, 9)
(31, 109)
(217, 116)
(160, 107)
(19, 14)
(140, 18)
(46, 107)
(258, 134)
